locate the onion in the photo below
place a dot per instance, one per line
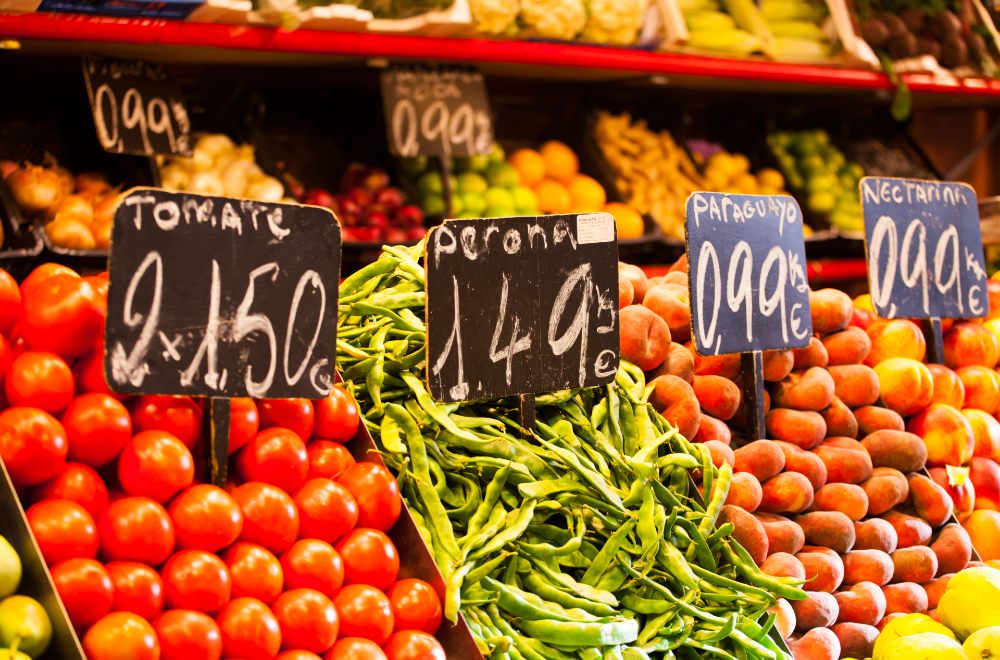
(265, 189)
(174, 177)
(104, 207)
(236, 176)
(102, 233)
(214, 144)
(72, 207)
(92, 182)
(69, 233)
(34, 188)
(66, 178)
(207, 183)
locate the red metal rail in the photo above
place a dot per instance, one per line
(153, 33)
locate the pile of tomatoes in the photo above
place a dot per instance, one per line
(289, 560)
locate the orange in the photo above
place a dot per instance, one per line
(587, 194)
(628, 220)
(561, 162)
(529, 164)
(553, 197)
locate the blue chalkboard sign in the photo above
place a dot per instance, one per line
(924, 248)
(747, 270)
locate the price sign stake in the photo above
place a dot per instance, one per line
(747, 276)
(221, 298)
(521, 305)
(925, 253)
(137, 107)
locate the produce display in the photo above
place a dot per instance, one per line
(217, 166)
(600, 21)
(75, 212)
(25, 627)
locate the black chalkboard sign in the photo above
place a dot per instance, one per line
(436, 111)
(747, 261)
(221, 297)
(924, 248)
(137, 107)
(521, 305)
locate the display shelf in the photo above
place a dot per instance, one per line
(207, 42)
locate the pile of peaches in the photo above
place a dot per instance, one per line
(871, 457)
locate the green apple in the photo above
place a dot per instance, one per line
(430, 183)
(821, 202)
(497, 155)
(10, 569)
(524, 200)
(413, 166)
(457, 205)
(433, 205)
(499, 212)
(7, 654)
(503, 175)
(473, 202)
(467, 215)
(498, 198)
(24, 625)
(470, 182)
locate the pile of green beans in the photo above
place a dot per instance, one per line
(593, 536)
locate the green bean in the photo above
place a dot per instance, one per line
(607, 553)
(536, 583)
(717, 499)
(475, 575)
(379, 267)
(513, 530)
(581, 634)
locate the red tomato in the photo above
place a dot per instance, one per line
(43, 272)
(138, 589)
(100, 284)
(337, 416)
(196, 580)
(415, 606)
(313, 564)
(249, 630)
(369, 558)
(327, 510)
(308, 620)
(41, 380)
(6, 356)
(297, 655)
(255, 571)
(364, 612)
(296, 415)
(136, 528)
(98, 427)
(179, 416)
(355, 648)
(244, 422)
(413, 645)
(377, 493)
(89, 372)
(32, 445)
(275, 456)
(85, 589)
(64, 530)
(327, 459)
(188, 635)
(121, 635)
(156, 465)
(206, 518)
(10, 302)
(270, 517)
(62, 314)
(77, 483)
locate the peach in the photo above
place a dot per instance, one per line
(875, 534)
(861, 318)
(636, 277)
(712, 429)
(895, 338)
(849, 499)
(749, 531)
(993, 296)
(849, 346)
(905, 598)
(993, 325)
(906, 385)
(777, 364)
(817, 644)
(808, 390)
(953, 548)
(903, 451)
(982, 390)
(789, 492)
(745, 492)
(985, 477)
(830, 529)
(948, 387)
(868, 566)
(875, 418)
(824, 571)
(840, 420)
(910, 530)
(930, 501)
(645, 337)
(857, 640)
(958, 485)
(831, 310)
(935, 588)
(626, 293)
(783, 564)
(813, 355)
(675, 399)
(916, 564)
(886, 488)
(864, 603)
(726, 365)
(804, 462)
(803, 428)
(762, 458)
(783, 535)
(784, 618)
(721, 453)
(855, 384)
(676, 277)
(986, 430)
(969, 343)
(718, 396)
(678, 362)
(889, 617)
(818, 610)
(844, 465)
(983, 526)
(946, 432)
(671, 303)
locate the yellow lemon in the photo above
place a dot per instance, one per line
(771, 177)
(864, 302)
(561, 162)
(724, 162)
(587, 194)
(906, 626)
(745, 183)
(628, 220)
(553, 197)
(717, 178)
(529, 165)
(741, 163)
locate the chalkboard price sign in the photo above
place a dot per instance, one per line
(747, 261)
(137, 107)
(436, 111)
(924, 248)
(221, 297)
(521, 305)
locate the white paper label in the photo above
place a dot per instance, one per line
(595, 228)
